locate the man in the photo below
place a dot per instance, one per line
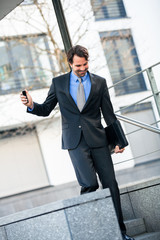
(82, 96)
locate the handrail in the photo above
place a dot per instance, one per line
(138, 123)
(155, 94)
(139, 129)
(135, 103)
(152, 82)
(143, 155)
(125, 79)
(141, 125)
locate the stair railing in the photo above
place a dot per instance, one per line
(156, 96)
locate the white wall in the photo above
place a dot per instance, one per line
(21, 164)
(145, 19)
(57, 161)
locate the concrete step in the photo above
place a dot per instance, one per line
(148, 236)
(86, 217)
(135, 226)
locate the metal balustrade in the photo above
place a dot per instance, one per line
(155, 95)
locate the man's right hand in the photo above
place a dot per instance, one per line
(24, 99)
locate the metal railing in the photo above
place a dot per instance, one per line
(155, 95)
(154, 89)
(138, 124)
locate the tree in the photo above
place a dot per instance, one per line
(35, 49)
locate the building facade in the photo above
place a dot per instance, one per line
(121, 41)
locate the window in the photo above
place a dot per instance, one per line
(25, 62)
(26, 170)
(144, 144)
(122, 61)
(108, 9)
(17, 132)
(27, 2)
(137, 108)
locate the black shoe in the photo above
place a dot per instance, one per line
(126, 237)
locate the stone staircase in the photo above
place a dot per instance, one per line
(136, 228)
(139, 203)
(87, 217)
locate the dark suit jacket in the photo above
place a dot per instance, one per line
(74, 121)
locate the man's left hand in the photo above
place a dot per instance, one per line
(118, 150)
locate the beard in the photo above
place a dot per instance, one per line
(81, 73)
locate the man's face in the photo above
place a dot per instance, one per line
(79, 66)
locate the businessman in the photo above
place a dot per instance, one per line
(82, 97)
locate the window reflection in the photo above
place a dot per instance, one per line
(26, 62)
(122, 60)
(108, 9)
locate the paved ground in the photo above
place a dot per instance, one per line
(140, 172)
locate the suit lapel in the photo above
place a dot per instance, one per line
(67, 87)
(93, 87)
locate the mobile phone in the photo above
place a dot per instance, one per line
(25, 94)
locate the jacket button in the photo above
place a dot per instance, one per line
(80, 126)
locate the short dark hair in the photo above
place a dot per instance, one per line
(79, 51)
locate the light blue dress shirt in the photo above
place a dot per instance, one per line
(74, 85)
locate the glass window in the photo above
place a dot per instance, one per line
(122, 61)
(6, 74)
(137, 108)
(108, 9)
(27, 2)
(26, 62)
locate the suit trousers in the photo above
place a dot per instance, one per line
(87, 163)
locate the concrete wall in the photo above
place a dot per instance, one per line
(140, 200)
(88, 217)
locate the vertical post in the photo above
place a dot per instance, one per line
(154, 88)
(62, 24)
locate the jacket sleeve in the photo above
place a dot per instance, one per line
(49, 104)
(106, 106)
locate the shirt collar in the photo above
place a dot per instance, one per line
(75, 78)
